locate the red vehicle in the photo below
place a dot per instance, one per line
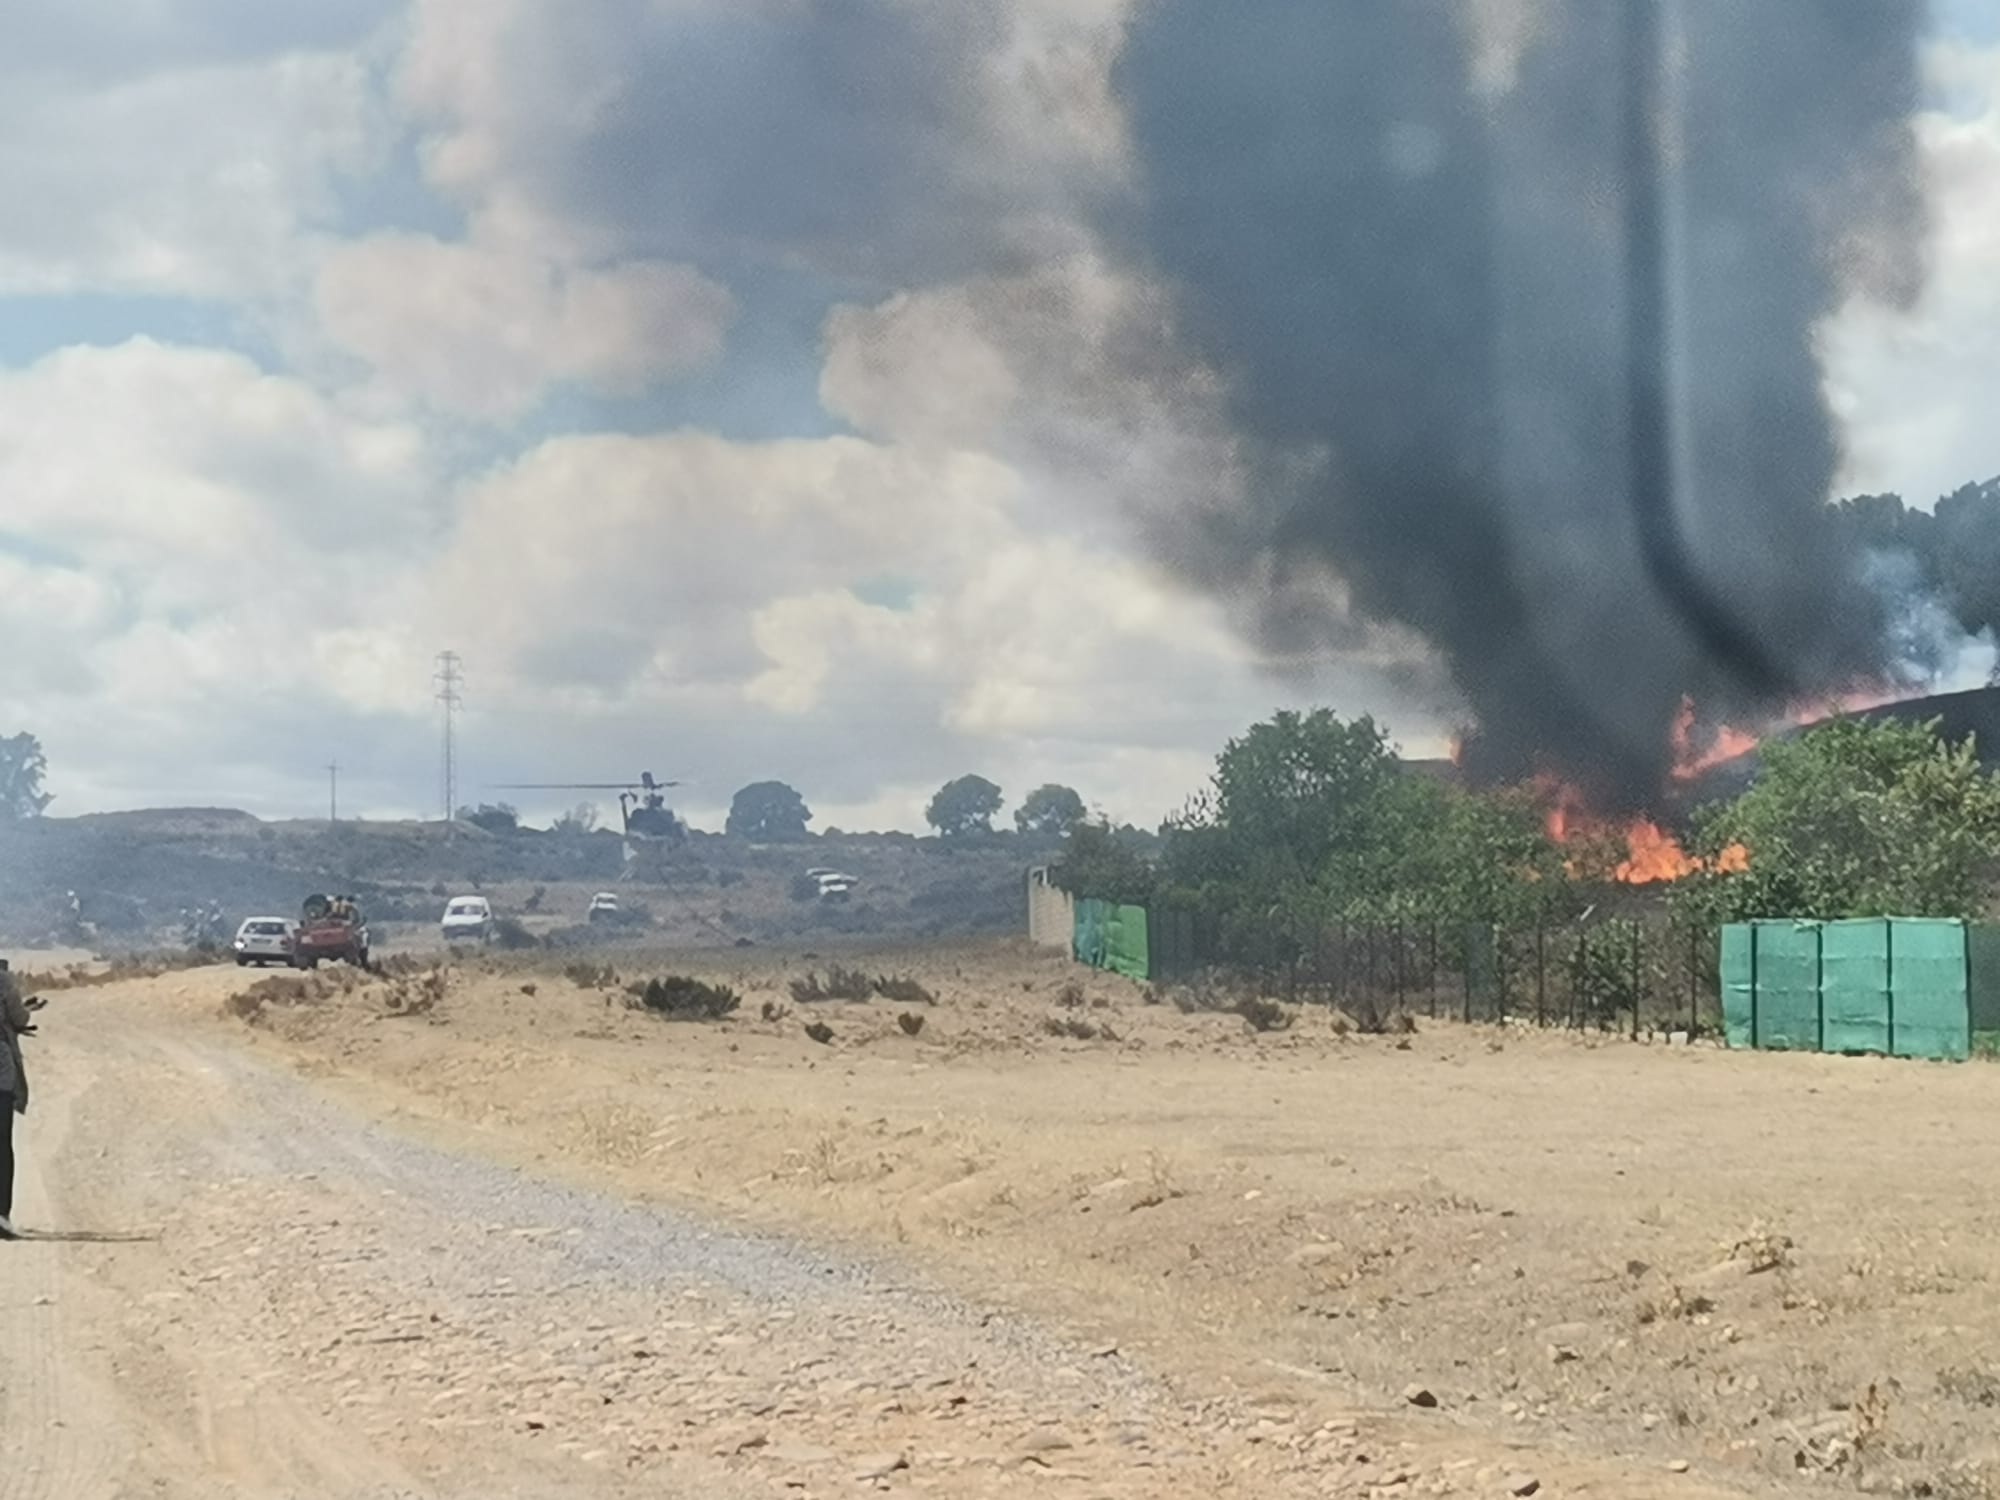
(331, 927)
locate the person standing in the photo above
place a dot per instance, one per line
(16, 1020)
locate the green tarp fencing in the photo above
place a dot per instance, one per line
(1900, 986)
(1109, 936)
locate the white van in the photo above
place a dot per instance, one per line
(468, 919)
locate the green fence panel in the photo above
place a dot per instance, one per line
(1982, 981)
(1738, 970)
(1930, 1014)
(1787, 956)
(1125, 946)
(1854, 986)
(1088, 948)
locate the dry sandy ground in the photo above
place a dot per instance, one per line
(535, 1242)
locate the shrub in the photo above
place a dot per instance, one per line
(840, 984)
(1071, 995)
(512, 935)
(589, 976)
(911, 1022)
(1264, 1015)
(1076, 1028)
(903, 989)
(679, 998)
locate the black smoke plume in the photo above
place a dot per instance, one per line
(1517, 303)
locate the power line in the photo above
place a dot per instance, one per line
(450, 678)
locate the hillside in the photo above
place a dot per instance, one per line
(133, 873)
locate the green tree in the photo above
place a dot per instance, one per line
(494, 817)
(22, 767)
(1050, 809)
(578, 821)
(768, 812)
(964, 806)
(1100, 860)
(1293, 801)
(1854, 818)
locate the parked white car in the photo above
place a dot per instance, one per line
(264, 940)
(603, 908)
(467, 919)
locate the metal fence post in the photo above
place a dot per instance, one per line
(1465, 965)
(1638, 939)
(1432, 983)
(1541, 972)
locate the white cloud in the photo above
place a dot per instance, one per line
(485, 330)
(200, 182)
(762, 129)
(1915, 391)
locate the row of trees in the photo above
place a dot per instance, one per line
(765, 811)
(1309, 817)
(773, 812)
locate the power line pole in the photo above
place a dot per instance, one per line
(450, 679)
(333, 791)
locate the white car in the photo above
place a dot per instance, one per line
(603, 908)
(467, 919)
(264, 940)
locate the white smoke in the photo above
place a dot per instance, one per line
(1929, 649)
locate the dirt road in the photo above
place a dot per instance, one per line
(532, 1242)
(238, 1287)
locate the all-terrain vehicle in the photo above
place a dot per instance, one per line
(331, 927)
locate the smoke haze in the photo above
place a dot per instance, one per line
(1400, 233)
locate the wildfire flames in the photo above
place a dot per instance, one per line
(1651, 853)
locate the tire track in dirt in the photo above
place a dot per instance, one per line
(441, 1325)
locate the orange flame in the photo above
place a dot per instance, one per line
(1651, 853)
(1725, 743)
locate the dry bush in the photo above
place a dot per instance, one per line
(1264, 1015)
(840, 984)
(1071, 996)
(773, 1011)
(416, 994)
(1762, 1249)
(911, 1022)
(820, 1032)
(904, 989)
(1675, 1306)
(1074, 1027)
(1973, 1387)
(677, 997)
(511, 935)
(531, 990)
(589, 976)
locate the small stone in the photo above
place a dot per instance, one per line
(1419, 1395)
(880, 1466)
(1678, 1466)
(1045, 1440)
(1522, 1484)
(798, 1453)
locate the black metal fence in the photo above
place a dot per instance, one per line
(1635, 974)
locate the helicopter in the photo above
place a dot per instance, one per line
(651, 828)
